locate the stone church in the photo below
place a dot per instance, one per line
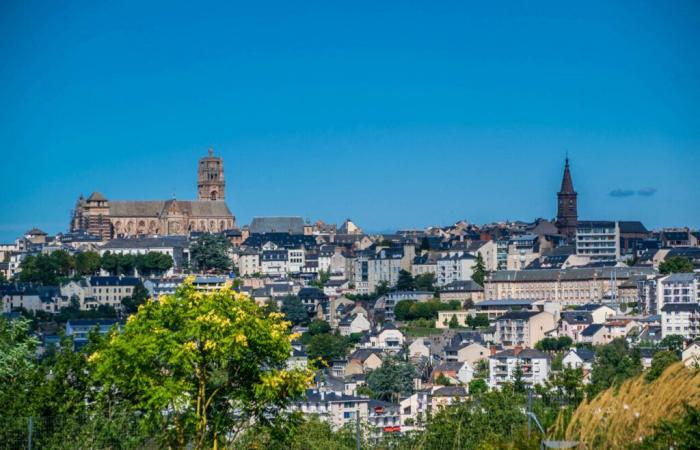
(99, 216)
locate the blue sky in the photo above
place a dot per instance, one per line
(394, 114)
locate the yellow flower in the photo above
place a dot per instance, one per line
(191, 346)
(93, 357)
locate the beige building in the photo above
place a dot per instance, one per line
(523, 328)
(99, 216)
(574, 286)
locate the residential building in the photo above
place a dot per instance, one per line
(336, 409)
(533, 364)
(177, 247)
(678, 288)
(598, 240)
(681, 319)
(523, 328)
(454, 266)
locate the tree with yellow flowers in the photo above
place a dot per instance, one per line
(200, 367)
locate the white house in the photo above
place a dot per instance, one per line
(354, 324)
(454, 266)
(578, 358)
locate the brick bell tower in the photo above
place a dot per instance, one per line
(210, 181)
(567, 211)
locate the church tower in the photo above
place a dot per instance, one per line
(210, 181)
(567, 212)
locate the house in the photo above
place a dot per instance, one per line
(651, 335)
(691, 355)
(573, 323)
(599, 313)
(455, 371)
(94, 291)
(385, 265)
(533, 364)
(579, 358)
(384, 306)
(470, 352)
(356, 323)
(336, 409)
(523, 328)
(496, 308)
(678, 288)
(462, 290)
(448, 395)
(389, 338)
(312, 298)
(418, 349)
(80, 329)
(416, 408)
(366, 359)
(425, 263)
(594, 334)
(618, 327)
(298, 359)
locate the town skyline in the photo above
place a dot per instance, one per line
(468, 115)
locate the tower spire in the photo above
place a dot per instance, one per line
(567, 210)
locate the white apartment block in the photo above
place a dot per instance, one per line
(535, 366)
(454, 266)
(598, 240)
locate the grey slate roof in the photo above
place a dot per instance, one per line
(156, 208)
(592, 329)
(571, 274)
(291, 225)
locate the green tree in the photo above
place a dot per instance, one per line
(213, 361)
(660, 362)
(153, 263)
(425, 282)
(615, 362)
(294, 310)
(392, 380)
(676, 264)
(405, 282)
(478, 386)
(454, 323)
(478, 321)
(682, 433)
(567, 385)
(46, 269)
(402, 310)
(327, 347)
(318, 326)
(209, 253)
(519, 380)
(138, 297)
(673, 342)
(87, 263)
(479, 273)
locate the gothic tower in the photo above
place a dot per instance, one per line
(567, 212)
(210, 182)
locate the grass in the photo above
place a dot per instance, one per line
(420, 331)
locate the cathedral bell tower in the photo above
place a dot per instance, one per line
(567, 212)
(210, 180)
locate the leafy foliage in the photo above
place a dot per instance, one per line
(87, 263)
(405, 282)
(425, 282)
(294, 310)
(659, 363)
(213, 361)
(209, 253)
(479, 272)
(412, 309)
(392, 380)
(552, 344)
(676, 264)
(615, 362)
(47, 269)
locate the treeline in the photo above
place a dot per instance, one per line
(406, 310)
(55, 267)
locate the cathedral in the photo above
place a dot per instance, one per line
(99, 216)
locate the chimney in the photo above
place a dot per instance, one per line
(493, 350)
(517, 349)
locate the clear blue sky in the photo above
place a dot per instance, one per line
(393, 115)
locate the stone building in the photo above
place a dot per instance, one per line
(107, 219)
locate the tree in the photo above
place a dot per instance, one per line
(681, 433)
(478, 321)
(392, 380)
(402, 310)
(676, 264)
(327, 347)
(660, 362)
(454, 323)
(87, 263)
(405, 282)
(673, 342)
(138, 297)
(518, 380)
(424, 244)
(425, 282)
(479, 273)
(615, 362)
(478, 386)
(201, 366)
(209, 253)
(153, 263)
(318, 326)
(294, 310)
(46, 269)
(567, 385)
(382, 289)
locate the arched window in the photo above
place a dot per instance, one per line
(213, 195)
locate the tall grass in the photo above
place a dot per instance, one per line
(619, 417)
